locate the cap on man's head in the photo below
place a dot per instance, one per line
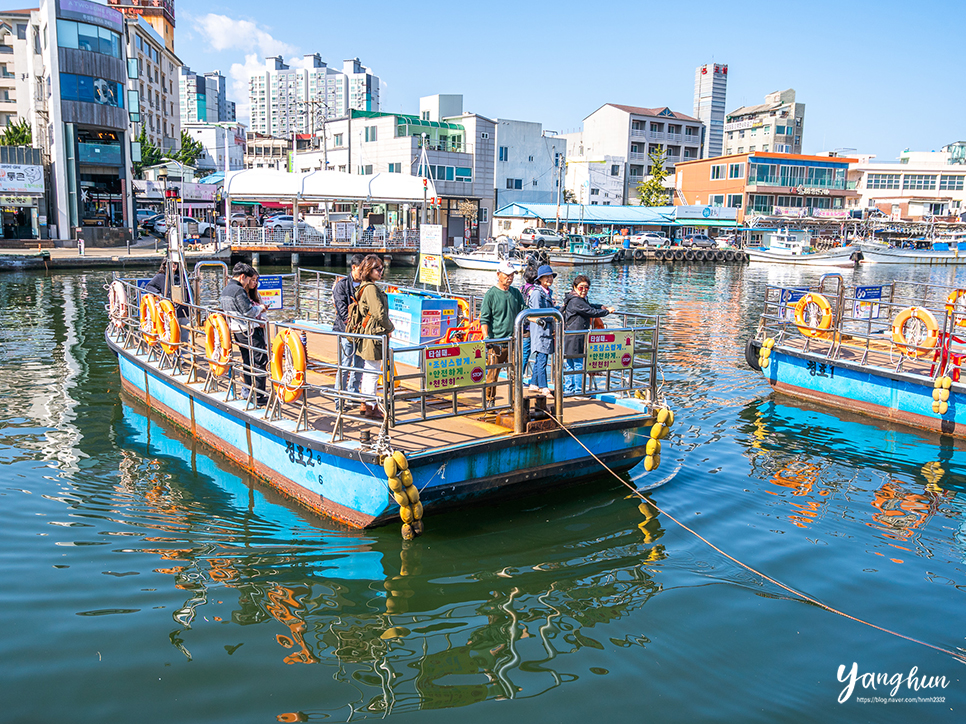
(507, 268)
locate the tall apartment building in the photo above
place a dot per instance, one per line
(620, 139)
(774, 126)
(203, 98)
(288, 100)
(710, 89)
(157, 71)
(16, 51)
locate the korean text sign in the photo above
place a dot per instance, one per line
(609, 350)
(451, 366)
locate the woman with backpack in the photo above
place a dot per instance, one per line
(370, 315)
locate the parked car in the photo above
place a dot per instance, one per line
(725, 242)
(650, 238)
(145, 214)
(283, 221)
(700, 241)
(204, 228)
(540, 238)
(148, 222)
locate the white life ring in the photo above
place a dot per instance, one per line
(117, 303)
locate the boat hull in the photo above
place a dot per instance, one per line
(478, 264)
(909, 256)
(568, 259)
(347, 484)
(896, 397)
(837, 260)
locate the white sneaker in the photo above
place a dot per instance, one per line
(534, 388)
(546, 392)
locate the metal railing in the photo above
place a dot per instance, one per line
(312, 237)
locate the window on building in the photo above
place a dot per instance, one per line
(882, 181)
(365, 170)
(371, 133)
(751, 149)
(615, 170)
(337, 139)
(918, 182)
(716, 200)
(514, 183)
(762, 203)
(764, 148)
(950, 183)
(531, 159)
(504, 153)
(595, 192)
(736, 170)
(734, 201)
(395, 168)
(717, 171)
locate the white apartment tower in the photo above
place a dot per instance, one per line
(710, 89)
(288, 100)
(204, 98)
(775, 125)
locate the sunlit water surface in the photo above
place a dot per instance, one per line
(143, 578)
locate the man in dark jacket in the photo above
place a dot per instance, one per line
(159, 282)
(248, 335)
(577, 313)
(343, 292)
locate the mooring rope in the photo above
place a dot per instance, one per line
(958, 655)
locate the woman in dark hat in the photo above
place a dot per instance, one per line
(541, 330)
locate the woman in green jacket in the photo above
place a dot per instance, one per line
(374, 305)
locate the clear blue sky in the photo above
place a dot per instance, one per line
(875, 76)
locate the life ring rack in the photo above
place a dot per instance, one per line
(288, 365)
(217, 343)
(915, 347)
(825, 309)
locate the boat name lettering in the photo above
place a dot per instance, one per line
(820, 369)
(302, 455)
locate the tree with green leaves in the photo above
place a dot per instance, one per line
(651, 191)
(17, 134)
(150, 155)
(190, 150)
(569, 197)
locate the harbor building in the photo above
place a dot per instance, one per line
(154, 80)
(619, 139)
(217, 140)
(710, 91)
(267, 151)
(288, 100)
(775, 126)
(460, 151)
(780, 185)
(203, 97)
(529, 164)
(923, 185)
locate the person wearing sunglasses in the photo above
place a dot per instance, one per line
(577, 314)
(374, 305)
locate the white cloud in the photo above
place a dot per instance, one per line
(239, 73)
(224, 33)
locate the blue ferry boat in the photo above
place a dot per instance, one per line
(893, 351)
(441, 441)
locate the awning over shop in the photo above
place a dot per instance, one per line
(317, 186)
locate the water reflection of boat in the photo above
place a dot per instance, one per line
(498, 625)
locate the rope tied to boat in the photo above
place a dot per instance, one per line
(958, 655)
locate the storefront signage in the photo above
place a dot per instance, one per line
(866, 305)
(16, 179)
(810, 191)
(91, 12)
(743, 125)
(609, 350)
(705, 212)
(789, 211)
(270, 290)
(19, 201)
(448, 367)
(831, 213)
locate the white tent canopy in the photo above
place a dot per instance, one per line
(318, 186)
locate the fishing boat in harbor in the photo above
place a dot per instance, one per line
(785, 247)
(893, 351)
(581, 251)
(939, 254)
(488, 257)
(437, 433)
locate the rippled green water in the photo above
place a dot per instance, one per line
(141, 579)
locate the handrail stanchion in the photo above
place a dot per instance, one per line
(519, 415)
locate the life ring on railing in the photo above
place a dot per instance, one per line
(117, 303)
(217, 343)
(956, 306)
(149, 319)
(464, 307)
(288, 365)
(471, 332)
(392, 290)
(916, 343)
(169, 331)
(804, 315)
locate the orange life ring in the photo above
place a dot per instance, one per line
(802, 307)
(117, 302)
(288, 364)
(470, 332)
(149, 319)
(169, 331)
(217, 343)
(464, 307)
(392, 290)
(956, 305)
(915, 344)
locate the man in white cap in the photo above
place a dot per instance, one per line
(501, 305)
